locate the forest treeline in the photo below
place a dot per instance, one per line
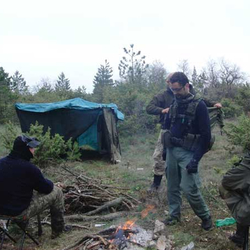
(220, 81)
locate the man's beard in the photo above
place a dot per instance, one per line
(178, 96)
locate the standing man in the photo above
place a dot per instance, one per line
(188, 139)
(159, 105)
(19, 179)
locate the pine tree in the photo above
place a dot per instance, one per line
(4, 78)
(7, 98)
(62, 86)
(80, 92)
(63, 83)
(102, 79)
(18, 84)
(197, 82)
(132, 67)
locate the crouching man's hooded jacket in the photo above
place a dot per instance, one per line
(236, 191)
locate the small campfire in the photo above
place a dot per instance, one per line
(129, 236)
(122, 234)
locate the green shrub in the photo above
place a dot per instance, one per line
(73, 150)
(9, 134)
(230, 108)
(240, 134)
(235, 159)
(52, 149)
(243, 97)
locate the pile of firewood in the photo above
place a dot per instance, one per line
(90, 196)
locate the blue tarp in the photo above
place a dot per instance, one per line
(76, 103)
(76, 118)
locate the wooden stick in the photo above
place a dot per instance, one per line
(106, 217)
(71, 225)
(132, 198)
(85, 238)
(107, 205)
(85, 196)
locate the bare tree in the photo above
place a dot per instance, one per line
(183, 66)
(156, 75)
(230, 74)
(210, 75)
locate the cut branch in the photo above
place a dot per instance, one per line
(107, 205)
(106, 217)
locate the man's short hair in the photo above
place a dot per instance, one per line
(168, 77)
(179, 77)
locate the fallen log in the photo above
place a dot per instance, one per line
(113, 203)
(107, 217)
(71, 225)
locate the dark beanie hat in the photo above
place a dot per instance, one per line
(22, 144)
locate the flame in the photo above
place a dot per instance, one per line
(145, 212)
(129, 224)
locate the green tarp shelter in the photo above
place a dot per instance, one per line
(92, 125)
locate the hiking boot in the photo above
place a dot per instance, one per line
(170, 221)
(153, 188)
(56, 234)
(239, 236)
(237, 239)
(207, 224)
(156, 184)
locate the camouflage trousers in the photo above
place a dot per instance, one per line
(159, 165)
(53, 201)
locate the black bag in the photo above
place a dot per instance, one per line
(166, 139)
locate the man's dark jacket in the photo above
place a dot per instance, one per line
(160, 102)
(163, 100)
(235, 190)
(18, 179)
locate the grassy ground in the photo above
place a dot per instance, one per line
(135, 173)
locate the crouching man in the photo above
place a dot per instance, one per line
(19, 179)
(235, 190)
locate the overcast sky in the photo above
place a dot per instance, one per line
(41, 39)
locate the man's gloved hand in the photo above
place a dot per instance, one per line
(192, 167)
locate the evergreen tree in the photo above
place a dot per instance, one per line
(18, 84)
(197, 81)
(62, 83)
(4, 78)
(62, 86)
(80, 92)
(102, 79)
(7, 99)
(132, 67)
